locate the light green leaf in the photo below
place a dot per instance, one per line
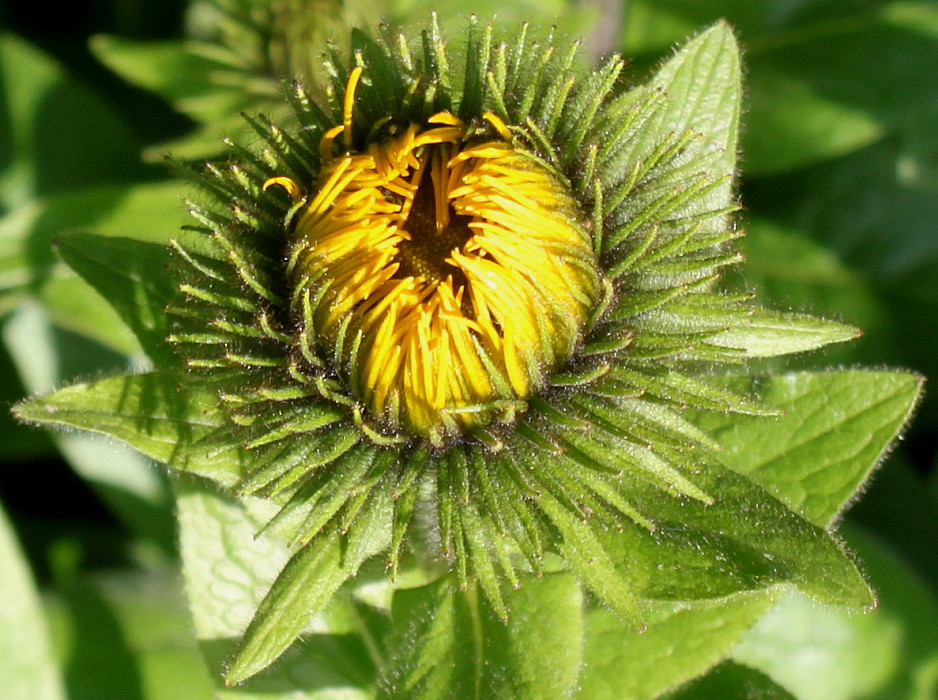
(46, 356)
(704, 83)
(682, 641)
(447, 643)
(312, 576)
(731, 681)
(835, 430)
(831, 654)
(75, 307)
(29, 670)
(195, 84)
(149, 212)
(156, 413)
(56, 132)
(172, 69)
(228, 567)
(787, 269)
(772, 333)
(694, 100)
(127, 635)
(302, 589)
(133, 277)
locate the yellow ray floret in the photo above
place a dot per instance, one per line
(444, 277)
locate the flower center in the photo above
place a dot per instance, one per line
(432, 238)
(444, 278)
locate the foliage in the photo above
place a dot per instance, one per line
(837, 177)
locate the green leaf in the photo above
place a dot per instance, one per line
(772, 333)
(834, 98)
(133, 277)
(703, 83)
(157, 413)
(228, 566)
(172, 69)
(682, 641)
(195, 84)
(693, 100)
(830, 654)
(786, 268)
(29, 670)
(835, 430)
(149, 212)
(731, 681)
(46, 356)
(744, 540)
(795, 124)
(45, 114)
(812, 91)
(303, 588)
(874, 211)
(28, 265)
(127, 634)
(656, 25)
(447, 643)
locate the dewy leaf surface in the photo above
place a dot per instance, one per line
(835, 429)
(447, 643)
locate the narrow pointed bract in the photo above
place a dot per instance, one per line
(454, 320)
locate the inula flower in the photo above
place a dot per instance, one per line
(455, 319)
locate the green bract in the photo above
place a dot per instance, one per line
(597, 490)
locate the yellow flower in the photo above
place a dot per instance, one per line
(446, 271)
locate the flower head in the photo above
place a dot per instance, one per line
(486, 299)
(444, 273)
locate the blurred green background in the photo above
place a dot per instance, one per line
(839, 181)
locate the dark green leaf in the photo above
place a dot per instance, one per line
(731, 681)
(448, 643)
(45, 114)
(127, 635)
(150, 212)
(833, 97)
(744, 540)
(45, 357)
